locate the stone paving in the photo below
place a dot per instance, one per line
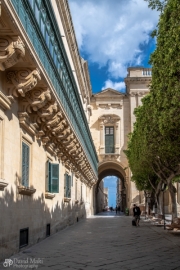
(104, 242)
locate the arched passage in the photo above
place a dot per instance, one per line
(111, 168)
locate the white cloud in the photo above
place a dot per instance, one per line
(111, 31)
(114, 85)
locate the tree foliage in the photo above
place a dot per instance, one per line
(154, 146)
(157, 4)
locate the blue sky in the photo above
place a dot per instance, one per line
(113, 35)
(110, 183)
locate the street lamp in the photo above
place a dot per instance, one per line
(163, 188)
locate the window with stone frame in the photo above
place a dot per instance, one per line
(25, 164)
(67, 185)
(109, 139)
(53, 177)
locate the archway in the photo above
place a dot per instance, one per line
(111, 168)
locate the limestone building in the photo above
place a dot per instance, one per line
(111, 121)
(51, 167)
(48, 162)
(106, 201)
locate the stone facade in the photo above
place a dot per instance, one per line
(106, 201)
(111, 108)
(48, 163)
(49, 171)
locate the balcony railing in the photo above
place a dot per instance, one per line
(38, 19)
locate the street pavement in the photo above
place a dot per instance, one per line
(103, 242)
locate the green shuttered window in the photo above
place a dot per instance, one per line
(67, 186)
(109, 139)
(72, 180)
(53, 177)
(25, 164)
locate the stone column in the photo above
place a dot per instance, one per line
(132, 107)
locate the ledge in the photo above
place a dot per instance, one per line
(110, 156)
(5, 103)
(3, 184)
(26, 190)
(49, 195)
(67, 199)
(25, 123)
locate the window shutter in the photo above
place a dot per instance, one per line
(25, 164)
(54, 178)
(69, 186)
(49, 175)
(66, 181)
(65, 185)
(109, 139)
(72, 179)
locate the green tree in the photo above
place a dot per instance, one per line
(155, 141)
(165, 88)
(142, 149)
(157, 4)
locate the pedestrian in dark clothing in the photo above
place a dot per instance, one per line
(136, 214)
(116, 210)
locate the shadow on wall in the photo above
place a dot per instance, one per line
(22, 211)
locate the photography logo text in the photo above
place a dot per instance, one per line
(28, 263)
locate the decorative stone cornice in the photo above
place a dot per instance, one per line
(136, 80)
(36, 99)
(108, 118)
(5, 103)
(48, 111)
(108, 105)
(22, 81)
(24, 121)
(79, 63)
(40, 112)
(11, 51)
(138, 93)
(110, 156)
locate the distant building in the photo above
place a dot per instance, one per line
(106, 203)
(118, 199)
(112, 119)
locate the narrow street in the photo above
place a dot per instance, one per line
(103, 242)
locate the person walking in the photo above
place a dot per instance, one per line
(136, 214)
(116, 209)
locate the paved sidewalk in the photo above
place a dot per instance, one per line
(104, 242)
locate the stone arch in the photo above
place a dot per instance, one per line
(115, 168)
